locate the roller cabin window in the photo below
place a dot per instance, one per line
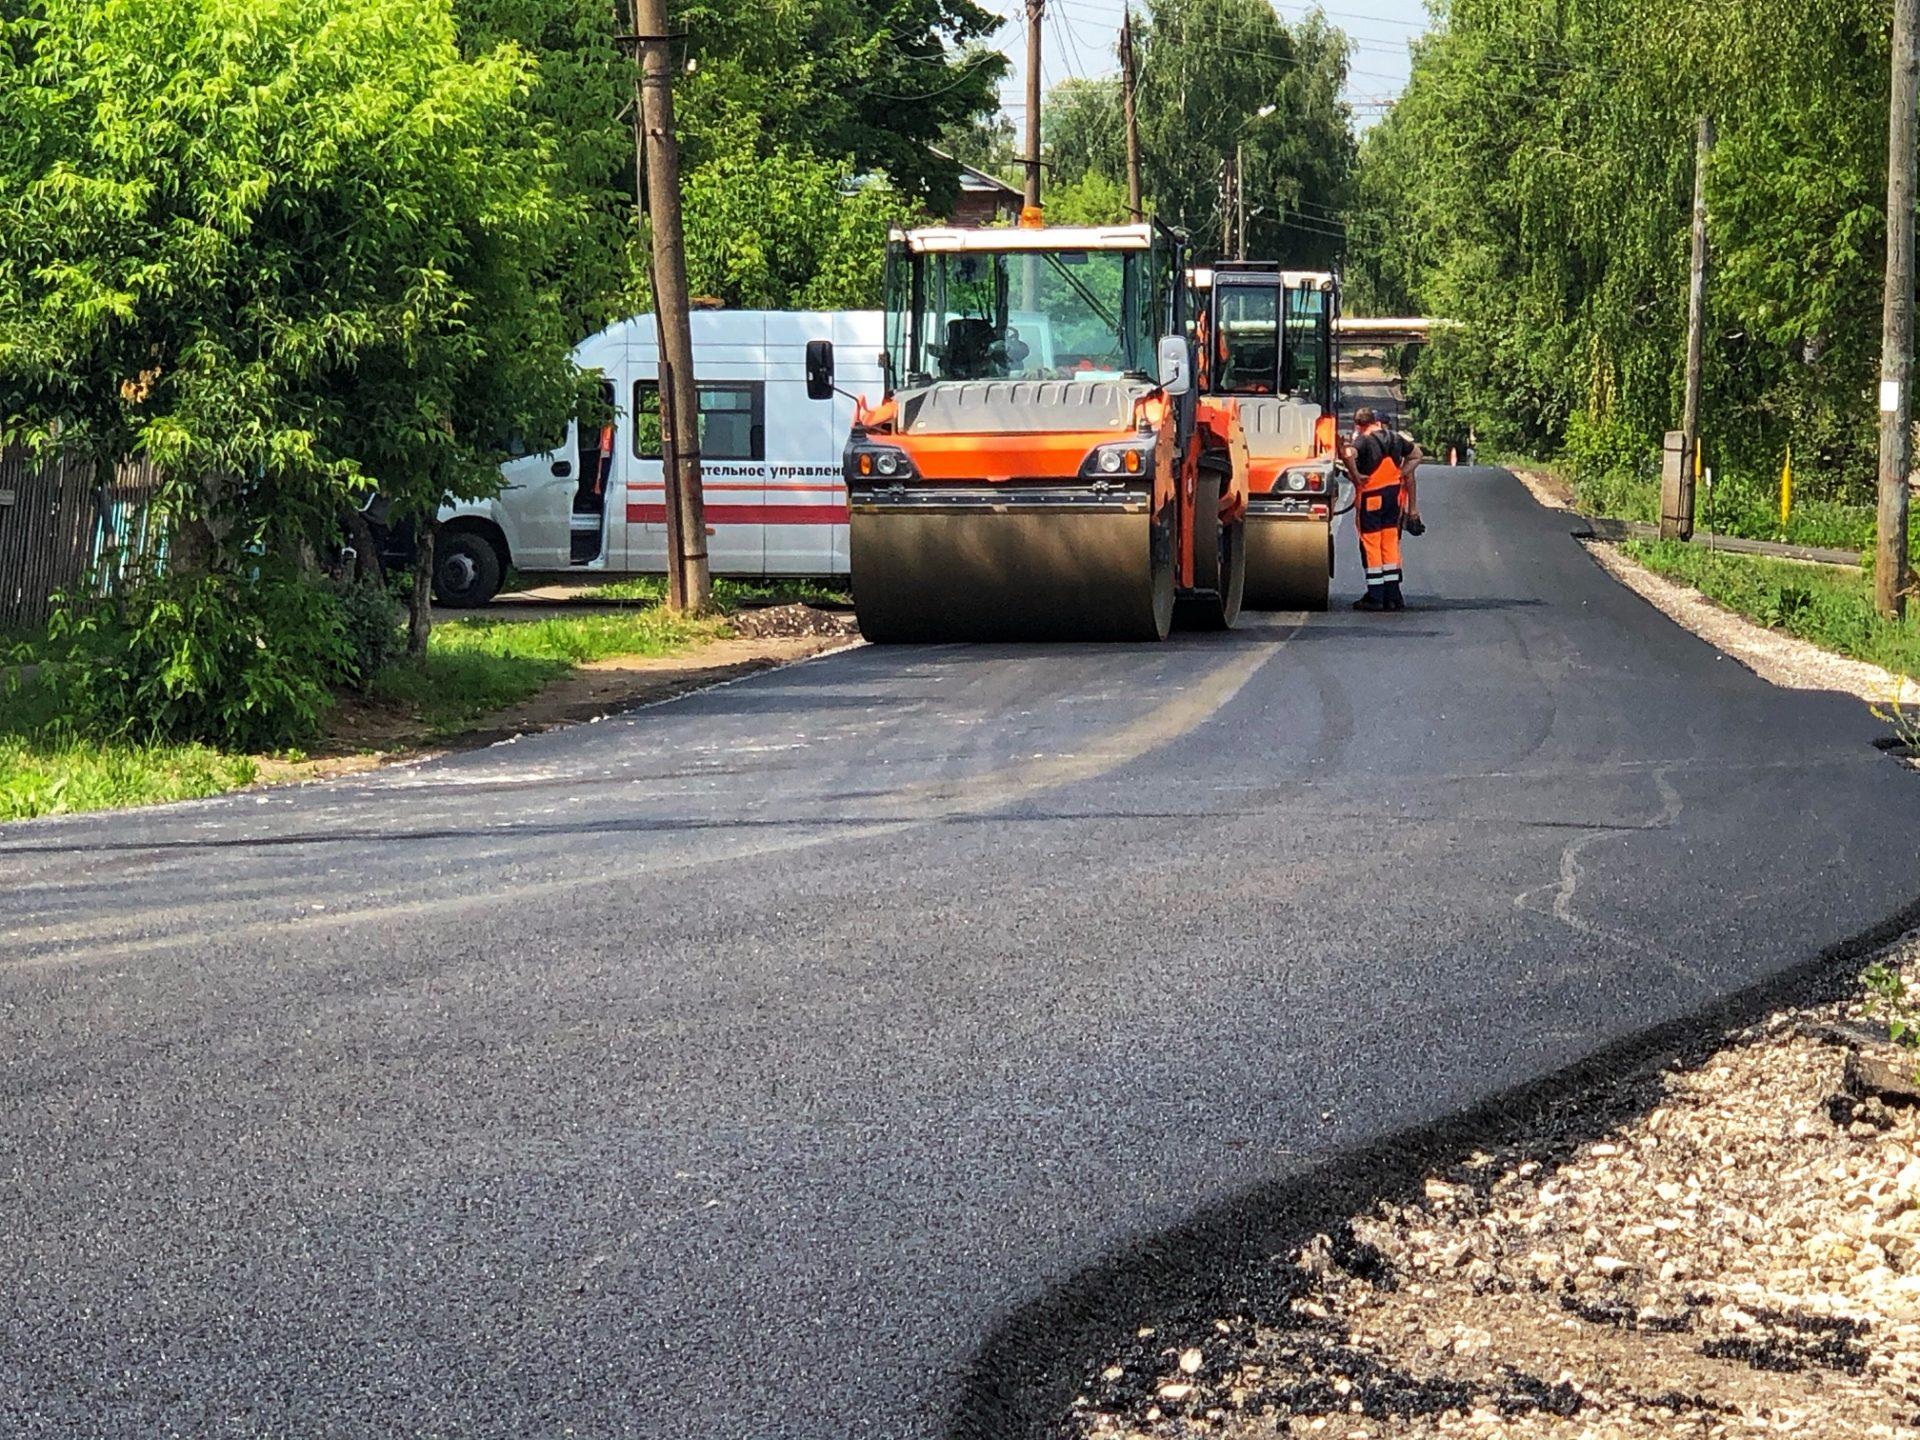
(733, 420)
(1306, 346)
(1014, 315)
(1247, 346)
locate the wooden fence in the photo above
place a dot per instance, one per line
(60, 528)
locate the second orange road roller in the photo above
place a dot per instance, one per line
(1040, 465)
(1264, 336)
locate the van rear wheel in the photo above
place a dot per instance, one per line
(466, 570)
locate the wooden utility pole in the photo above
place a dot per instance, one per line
(1035, 9)
(1127, 81)
(657, 153)
(1239, 200)
(1226, 206)
(1676, 520)
(1896, 320)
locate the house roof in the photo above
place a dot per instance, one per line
(979, 181)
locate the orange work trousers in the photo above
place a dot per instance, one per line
(1377, 513)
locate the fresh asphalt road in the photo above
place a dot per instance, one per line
(740, 1066)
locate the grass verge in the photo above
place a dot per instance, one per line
(1731, 505)
(479, 665)
(727, 594)
(472, 667)
(1822, 604)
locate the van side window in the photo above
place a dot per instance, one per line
(733, 421)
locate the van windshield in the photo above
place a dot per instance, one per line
(1039, 315)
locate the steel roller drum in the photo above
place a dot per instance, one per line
(926, 570)
(1287, 563)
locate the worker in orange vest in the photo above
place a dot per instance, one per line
(1379, 463)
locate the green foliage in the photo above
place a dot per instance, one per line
(874, 80)
(1093, 199)
(288, 250)
(1207, 68)
(279, 248)
(788, 231)
(476, 666)
(242, 661)
(373, 623)
(728, 595)
(53, 775)
(1535, 183)
(1891, 1000)
(1827, 605)
(53, 760)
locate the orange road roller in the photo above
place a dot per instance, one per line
(1264, 338)
(1040, 466)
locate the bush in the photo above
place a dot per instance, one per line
(372, 618)
(240, 661)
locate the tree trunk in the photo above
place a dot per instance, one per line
(366, 568)
(420, 602)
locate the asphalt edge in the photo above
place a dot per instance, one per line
(1024, 1376)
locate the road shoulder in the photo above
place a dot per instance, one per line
(1779, 658)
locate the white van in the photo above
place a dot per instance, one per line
(770, 461)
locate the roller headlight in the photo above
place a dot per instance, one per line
(1127, 457)
(1296, 481)
(878, 462)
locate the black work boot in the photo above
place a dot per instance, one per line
(1374, 599)
(1395, 600)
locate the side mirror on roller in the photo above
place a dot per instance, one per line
(1176, 372)
(819, 369)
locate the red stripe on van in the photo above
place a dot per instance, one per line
(748, 514)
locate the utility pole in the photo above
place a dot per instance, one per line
(1227, 179)
(1896, 321)
(1239, 200)
(1133, 120)
(657, 152)
(1676, 521)
(1035, 9)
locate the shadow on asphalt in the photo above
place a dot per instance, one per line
(1022, 1381)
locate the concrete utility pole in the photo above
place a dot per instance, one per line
(1127, 80)
(1676, 521)
(1035, 9)
(1896, 320)
(689, 584)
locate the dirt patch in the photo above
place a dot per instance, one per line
(793, 620)
(1738, 1253)
(1549, 490)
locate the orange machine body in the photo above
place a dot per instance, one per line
(1014, 460)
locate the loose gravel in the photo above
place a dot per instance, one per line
(1724, 1247)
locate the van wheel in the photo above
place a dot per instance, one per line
(466, 570)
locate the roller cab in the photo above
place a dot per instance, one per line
(1265, 342)
(1035, 468)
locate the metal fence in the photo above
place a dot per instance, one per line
(59, 528)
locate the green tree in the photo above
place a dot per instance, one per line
(290, 251)
(1208, 68)
(788, 231)
(1534, 182)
